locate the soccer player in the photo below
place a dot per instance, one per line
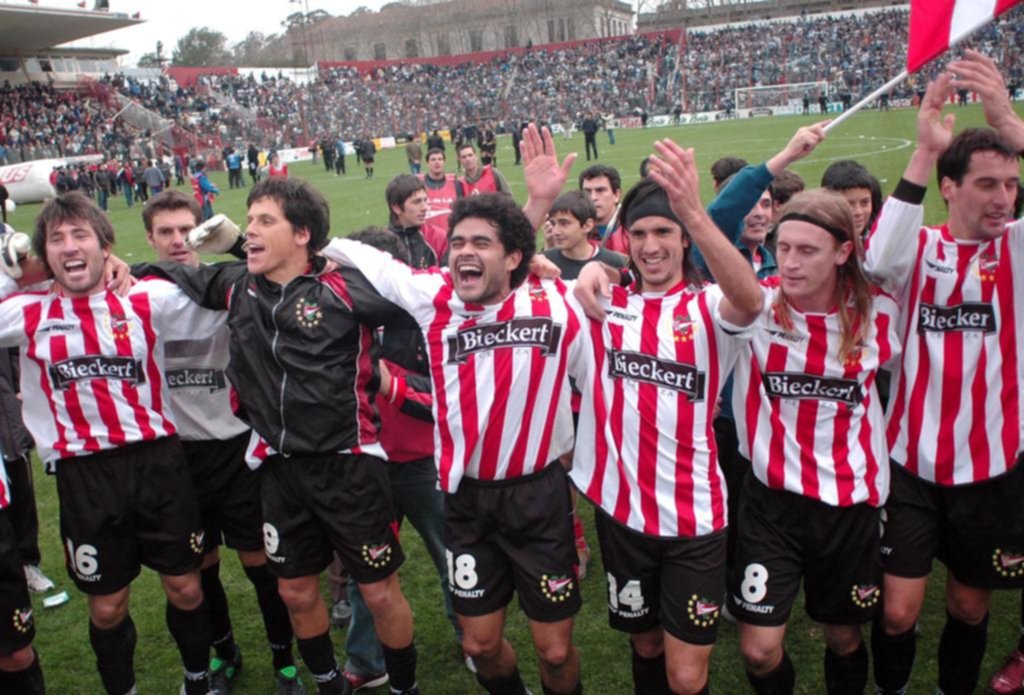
(603, 185)
(479, 178)
(861, 190)
(425, 242)
(93, 384)
(215, 442)
(810, 424)
(496, 337)
(650, 375)
(954, 417)
(324, 485)
(442, 189)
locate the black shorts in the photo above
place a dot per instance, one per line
(508, 536)
(127, 507)
(677, 583)
(367, 160)
(784, 537)
(228, 492)
(976, 530)
(316, 505)
(17, 627)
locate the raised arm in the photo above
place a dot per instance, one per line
(978, 73)
(543, 175)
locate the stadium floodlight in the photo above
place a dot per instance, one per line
(782, 98)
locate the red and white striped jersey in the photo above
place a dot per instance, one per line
(92, 369)
(955, 402)
(809, 422)
(501, 396)
(650, 376)
(5, 486)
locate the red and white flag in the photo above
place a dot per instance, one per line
(935, 25)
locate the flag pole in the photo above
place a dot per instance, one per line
(868, 99)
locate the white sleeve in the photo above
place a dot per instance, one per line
(892, 248)
(176, 315)
(12, 316)
(725, 329)
(393, 280)
(579, 349)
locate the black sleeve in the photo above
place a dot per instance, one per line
(414, 407)
(370, 306)
(208, 286)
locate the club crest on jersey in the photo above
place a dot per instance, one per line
(636, 366)
(538, 332)
(556, 587)
(703, 612)
(119, 326)
(195, 541)
(308, 313)
(21, 620)
(987, 267)
(865, 595)
(977, 317)
(1008, 563)
(537, 293)
(799, 386)
(377, 556)
(683, 329)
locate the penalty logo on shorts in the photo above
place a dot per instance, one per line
(865, 595)
(308, 313)
(556, 587)
(195, 541)
(22, 620)
(1008, 563)
(377, 556)
(703, 611)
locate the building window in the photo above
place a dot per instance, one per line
(380, 51)
(551, 31)
(572, 29)
(350, 53)
(476, 40)
(444, 46)
(511, 37)
(561, 28)
(412, 48)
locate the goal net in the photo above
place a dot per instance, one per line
(789, 96)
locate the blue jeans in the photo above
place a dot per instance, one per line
(101, 198)
(417, 498)
(126, 188)
(611, 136)
(207, 209)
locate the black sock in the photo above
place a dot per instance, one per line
(27, 681)
(275, 615)
(649, 675)
(191, 632)
(778, 681)
(893, 657)
(577, 690)
(318, 653)
(961, 649)
(401, 666)
(1020, 643)
(846, 675)
(115, 655)
(504, 685)
(220, 619)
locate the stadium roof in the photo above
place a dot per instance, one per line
(27, 29)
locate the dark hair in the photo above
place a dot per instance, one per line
(199, 165)
(577, 204)
(643, 190)
(645, 166)
(596, 171)
(954, 162)
(303, 206)
(70, 206)
(458, 150)
(514, 229)
(383, 240)
(436, 150)
(399, 190)
(786, 185)
(876, 203)
(726, 167)
(846, 174)
(1019, 203)
(169, 201)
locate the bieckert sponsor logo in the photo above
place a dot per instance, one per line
(69, 371)
(531, 332)
(685, 378)
(196, 379)
(967, 317)
(810, 387)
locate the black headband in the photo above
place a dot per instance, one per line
(839, 234)
(654, 205)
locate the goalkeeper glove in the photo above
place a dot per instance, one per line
(217, 235)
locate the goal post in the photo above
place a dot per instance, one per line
(790, 94)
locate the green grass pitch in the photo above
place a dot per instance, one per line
(881, 141)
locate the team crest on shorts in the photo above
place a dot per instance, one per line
(377, 556)
(308, 313)
(556, 587)
(1008, 564)
(865, 595)
(703, 611)
(118, 326)
(195, 541)
(682, 328)
(21, 619)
